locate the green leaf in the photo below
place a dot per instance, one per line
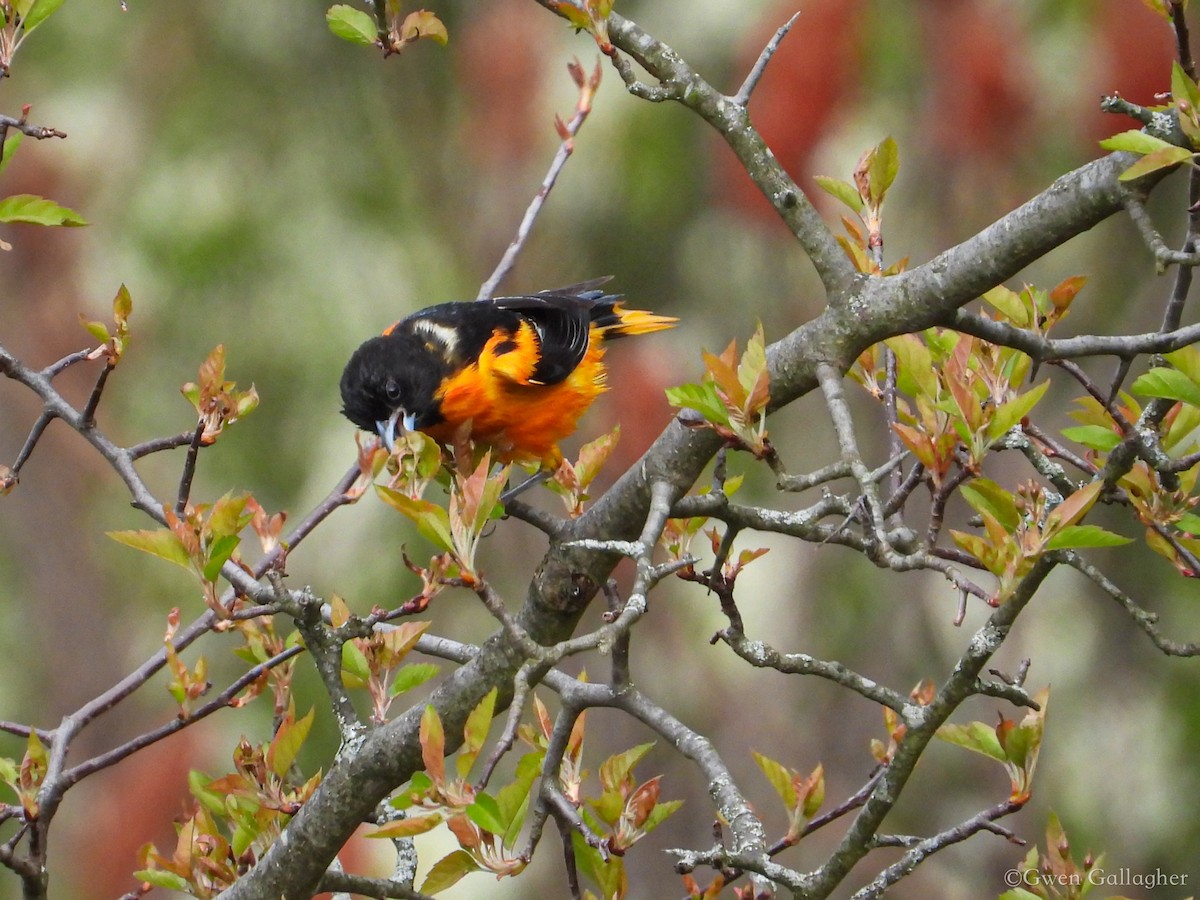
(1132, 141)
(288, 740)
(1022, 742)
(702, 398)
(412, 676)
(608, 872)
(448, 870)
(351, 24)
(574, 13)
(1170, 384)
(615, 769)
(33, 210)
(39, 13)
(1189, 523)
(410, 827)
(1186, 360)
(229, 515)
(1010, 413)
(882, 169)
(433, 744)
(243, 836)
(424, 24)
(98, 330)
(219, 551)
(1160, 159)
(475, 732)
(161, 543)
(431, 520)
(1072, 509)
(1074, 536)
(513, 798)
(1009, 304)
(198, 784)
(976, 736)
(485, 812)
(9, 773)
(356, 671)
(842, 190)
(609, 806)
(659, 814)
(985, 496)
(161, 878)
(10, 147)
(418, 786)
(753, 374)
(780, 778)
(915, 373)
(122, 306)
(1097, 437)
(1183, 89)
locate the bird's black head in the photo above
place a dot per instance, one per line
(389, 373)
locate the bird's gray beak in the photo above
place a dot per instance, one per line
(387, 427)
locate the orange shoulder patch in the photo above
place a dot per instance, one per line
(512, 355)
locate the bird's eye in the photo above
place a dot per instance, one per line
(392, 390)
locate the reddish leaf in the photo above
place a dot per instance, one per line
(433, 745)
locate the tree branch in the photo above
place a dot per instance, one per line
(861, 312)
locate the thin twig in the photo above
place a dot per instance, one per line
(922, 723)
(620, 649)
(652, 92)
(742, 97)
(554, 527)
(35, 434)
(567, 131)
(1096, 392)
(362, 886)
(1173, 312)
(1163, 255)
(1041, 460)
(941, 496)
(57, 368)
(88, 413)
(189, 470)
(38, 132)
(23, 731)
(762, 655)
(222, 700)
(899, 497)
(722, 555)
(569, 863)
(1043, 349)
(1118, 378)
(1183, 48)
(550, 799)
(1145, 620)
(892, 416)
(508, 737)
(157, 445)
(921, 849)
(335, 499)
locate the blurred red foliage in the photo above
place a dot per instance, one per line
(812, 76)
(1132, 52)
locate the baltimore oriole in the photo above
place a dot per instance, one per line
(518, 371)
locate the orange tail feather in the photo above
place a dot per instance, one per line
(634, 321)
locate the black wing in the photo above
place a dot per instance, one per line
(562, 322)
(561, 318)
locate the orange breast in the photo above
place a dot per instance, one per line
(522, 420)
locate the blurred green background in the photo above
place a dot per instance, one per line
(256, 182)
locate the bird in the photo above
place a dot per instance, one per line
(513, 373)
